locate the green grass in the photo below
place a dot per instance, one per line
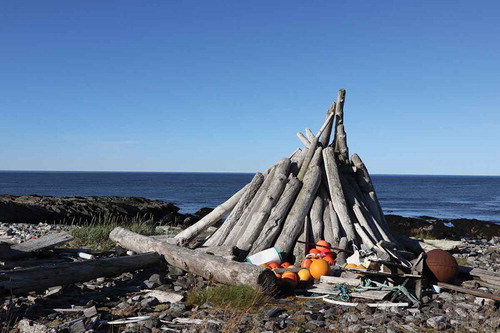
(96, 236)
(232, 296)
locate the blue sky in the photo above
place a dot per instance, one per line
(225, 85)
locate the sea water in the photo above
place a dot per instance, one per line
(408, 195)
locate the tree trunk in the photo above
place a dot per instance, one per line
(208, 266)
(294, 223)
(337, 194)
(220, 235)
(20, 281)
(342, 256)
(340, 135)
(335, 224)
(327, 224)
(305, 141)
(278, 215)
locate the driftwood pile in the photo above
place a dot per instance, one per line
(319, 192)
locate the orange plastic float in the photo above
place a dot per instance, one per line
(290, 278)
(304, 275)
(319, 268)
(322, 245)
(306, 263)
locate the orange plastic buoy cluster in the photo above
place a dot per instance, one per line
(319, 268)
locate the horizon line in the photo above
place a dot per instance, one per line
(235, 172)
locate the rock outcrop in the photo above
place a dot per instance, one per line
(35, 209)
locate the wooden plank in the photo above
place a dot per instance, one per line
(340, 280)
(47, 241)
(469, 291)
(375, 295)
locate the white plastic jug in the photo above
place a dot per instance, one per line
(265, 256)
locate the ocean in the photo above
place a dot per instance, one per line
(444, 197)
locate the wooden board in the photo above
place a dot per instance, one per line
(26, 248)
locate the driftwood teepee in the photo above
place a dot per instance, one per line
(316, 193)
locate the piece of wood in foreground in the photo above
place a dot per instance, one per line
(44, 242)
(469, 291)
(20, 281)
(202, 264)
(340, 280)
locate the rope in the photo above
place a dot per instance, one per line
(367, 284)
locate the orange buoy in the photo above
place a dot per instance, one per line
(304, 275)
(319, 268)
(272, 265)
(290, 277)
(322, 245)
(306, 263)
(314, 251)
(285, 264)
(329, 259)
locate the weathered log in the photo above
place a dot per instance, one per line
(325, 138)
(365, 238)
(310, 135)
(309, 153)
(240, 225)
(282, 167)
(342, 256)
(366, 184)
(301, 246)
(20, 281)
(311, 150)
(258, 220)
(297, 158)
(277, 217)
(27, 248)
(205, 265)
(294, 223)
(316, 216)
(340, 135)
(317, 158)
(220, 235)
(327, 224)
(305, 141)
(222, 251)
(209, 220)
(337, 194)
(335, 224)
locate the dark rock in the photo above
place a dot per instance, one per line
(274, 312)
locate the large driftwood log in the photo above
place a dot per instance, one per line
(20, 281)
(205, 265)
(337, 194)
(294, 223)
(307, 159)
(342, 256)
(301, 247)
(257, 221)
(277, 217)
(335, 224)
(327, 224)
(297, 158)
(325, 138)
(305, 141)
(281, 168)
(316, 216)
(209, 220)
(366, 184)
(240, 225)
(340, 135)
(220, 235)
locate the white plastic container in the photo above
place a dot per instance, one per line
(271, 254)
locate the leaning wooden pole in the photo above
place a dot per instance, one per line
(337, 194)
(209, 220)
(208, 266)
(220, 235)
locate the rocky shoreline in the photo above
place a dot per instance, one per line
(70, 308)
(159, 295)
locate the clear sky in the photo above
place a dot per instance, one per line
(225, 85)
